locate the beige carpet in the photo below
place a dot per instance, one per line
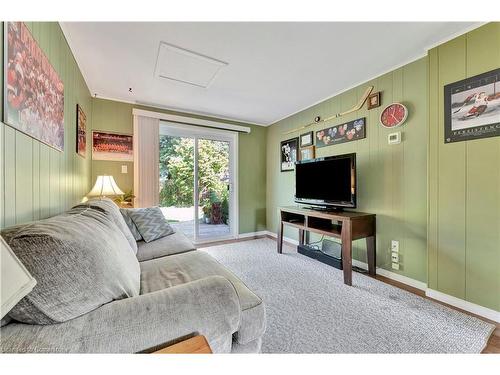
(310, 310)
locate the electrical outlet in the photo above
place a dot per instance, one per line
(395, 246)
(395, 257)
(124, 169)
(395, 266)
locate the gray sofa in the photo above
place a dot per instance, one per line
(179, 292)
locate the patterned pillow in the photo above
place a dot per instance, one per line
(151, 223)
(130, 223)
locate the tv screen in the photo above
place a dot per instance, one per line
(329, 181)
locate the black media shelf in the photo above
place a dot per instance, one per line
(319, 255)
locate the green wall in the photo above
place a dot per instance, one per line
(392, 180)
(442, 202)
(464, 181)
(38, 181)
(117, 116)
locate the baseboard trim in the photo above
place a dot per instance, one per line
(431, 293)
(253, 234)
(393, 276)
(464, 305)
(285, 239)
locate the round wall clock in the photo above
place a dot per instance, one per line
(393, 115)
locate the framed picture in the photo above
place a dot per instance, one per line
(472, 108)
(374, 100)
(307, 153)
(33, 91)
(288, 152)
(306, 139)
(348, 132)
(81, 132)
(112, 146)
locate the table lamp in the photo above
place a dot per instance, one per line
(15, 279)
(105, 186)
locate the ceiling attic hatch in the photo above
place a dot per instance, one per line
(181, 65)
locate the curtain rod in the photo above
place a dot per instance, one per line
(191, 120)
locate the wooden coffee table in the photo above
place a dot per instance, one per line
(194, 345)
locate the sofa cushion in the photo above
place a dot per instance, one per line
(173, 244)
(110, 207)
(130, 223)
(178, 269)
(150, 222)
(81, 260)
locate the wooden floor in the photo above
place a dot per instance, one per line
(493, 346)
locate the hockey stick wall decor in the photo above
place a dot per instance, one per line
(358, 106)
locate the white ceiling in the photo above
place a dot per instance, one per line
(273, 71)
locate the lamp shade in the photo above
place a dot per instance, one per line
(16, 281)
(105, 186)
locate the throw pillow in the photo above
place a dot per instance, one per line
(108, 206)
(151, 223)
(80, 263)
(130, 223)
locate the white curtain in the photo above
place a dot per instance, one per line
(146, 160)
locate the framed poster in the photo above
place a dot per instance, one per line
(33, 91)
(472, 108)
(288, 152)
(350, 131)
(307, 139)
(81, 132)
(373, 100)
(307, 153)
(112, 146)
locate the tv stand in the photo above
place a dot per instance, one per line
(346, 225)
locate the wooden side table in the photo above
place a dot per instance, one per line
(346, 225)
(194, 345)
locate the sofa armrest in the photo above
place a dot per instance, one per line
(208, 306)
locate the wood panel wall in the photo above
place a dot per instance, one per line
(392, 179)
(464, 181)
(37, 180)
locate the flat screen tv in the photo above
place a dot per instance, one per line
(327, 182)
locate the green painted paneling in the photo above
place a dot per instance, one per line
(464, 181)
(24, 178)
(9, 147)
(392, 180)
(35, 153)
(38, 181)
(108, 115)
(433, 147)
(451, 180)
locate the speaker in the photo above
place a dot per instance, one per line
(331, 248)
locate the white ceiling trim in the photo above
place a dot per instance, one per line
(366, 81)
(190, 120)
(238, 96)
(178, 110)
(413, 59)
(455, 35)
(214, 116)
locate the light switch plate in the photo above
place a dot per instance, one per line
(124, 169)
(395, 246)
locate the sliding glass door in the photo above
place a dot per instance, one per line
(197, 170)
(177, 181)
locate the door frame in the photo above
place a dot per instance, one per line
(199, 132)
